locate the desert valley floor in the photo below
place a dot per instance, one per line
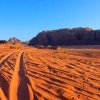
(44, 74)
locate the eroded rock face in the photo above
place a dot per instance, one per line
(64, 37)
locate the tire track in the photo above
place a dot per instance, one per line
(15, 80)
(4, 81)
(5, 58)
(19, 87)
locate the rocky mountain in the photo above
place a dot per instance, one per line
(14, 40)
(67, 36)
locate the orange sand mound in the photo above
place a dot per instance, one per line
(43, 74)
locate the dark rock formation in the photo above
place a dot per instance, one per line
(3, 41)
(64, 37)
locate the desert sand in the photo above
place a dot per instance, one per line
(29, 73)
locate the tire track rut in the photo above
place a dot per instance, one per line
(5, 58)
(4, 80)
(19, 84)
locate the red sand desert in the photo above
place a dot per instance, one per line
(43, 74)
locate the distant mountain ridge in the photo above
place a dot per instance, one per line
(14, 40)
(67, 36)
(3, 41)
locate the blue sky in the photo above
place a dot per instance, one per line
(26, 18)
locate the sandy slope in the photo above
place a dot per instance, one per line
(43, 74)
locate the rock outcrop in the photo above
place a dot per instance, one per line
(3, 41)
(14, 40)
(68, 36)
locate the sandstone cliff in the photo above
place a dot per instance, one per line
(64, 37)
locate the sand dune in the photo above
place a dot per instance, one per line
(44, 74)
